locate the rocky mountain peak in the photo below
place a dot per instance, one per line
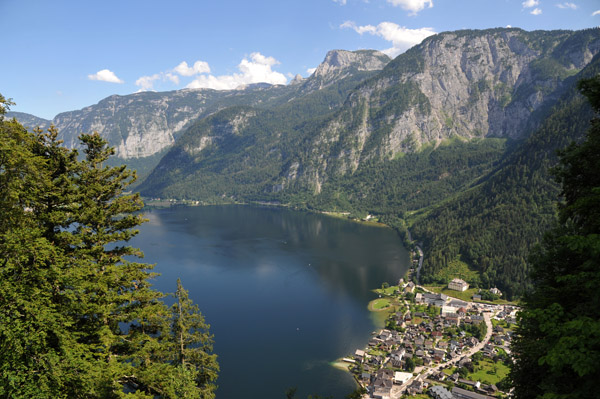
(297, 80)
(468, 84)
(361, 60)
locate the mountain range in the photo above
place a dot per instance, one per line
(452, 139)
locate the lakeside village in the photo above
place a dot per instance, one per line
(437, 346)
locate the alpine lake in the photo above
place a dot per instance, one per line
(285, 292)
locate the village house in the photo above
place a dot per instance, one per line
(416, 387)
(359, 355)
(431, 299)
(457, 303)
(442, 345)
(460, 393)
(438, 355)
(398, 354)
(439, 392)
(464, 361)
(453, 320)
(365, 377)
(410, 287)
(458, 285)
(401, 377)
(448, 310)
(382, 386)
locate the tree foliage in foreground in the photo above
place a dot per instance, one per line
(558, 339)
(78, 319)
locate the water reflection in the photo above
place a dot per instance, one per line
(285, 292)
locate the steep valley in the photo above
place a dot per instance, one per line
(452, 139)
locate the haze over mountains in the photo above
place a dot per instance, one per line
(463, 119)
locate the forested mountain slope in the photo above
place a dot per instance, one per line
(142, 126)
(493, 226)
(455, 86)
(447, 138)
(470, 84)
(238, 152)
(441, 138)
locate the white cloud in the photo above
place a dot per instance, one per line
(199, 67)
(183, 69)
(402, 38)
(257, 69)
(105, 76)
(414, 6)
(530, 3)
(147, 82)
(597, 12)
(310, 71)
(172, 78)
(341, 2)
(572, 6)
(536, 11)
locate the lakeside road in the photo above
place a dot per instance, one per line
(420, 263)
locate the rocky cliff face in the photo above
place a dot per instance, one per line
(339, 64)
(28, 120)
(238, 149)
(144, 124)
(466, 83)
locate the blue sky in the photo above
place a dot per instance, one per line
(64, 55)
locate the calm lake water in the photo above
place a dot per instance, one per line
(285, 292)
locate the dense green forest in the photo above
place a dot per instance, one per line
(474, 198)
(483, 202)
(268, 136)
(493, 226)
(413, 181)
(557, 344)
(78, 317)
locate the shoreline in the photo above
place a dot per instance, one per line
(170, 202)
(377, 316)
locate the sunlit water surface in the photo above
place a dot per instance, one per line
(285, 292)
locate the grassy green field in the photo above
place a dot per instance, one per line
(489, 372)
(379, 304)
(458, 269)
(392, 290)
(465, 295)
(376, 352)
(381, 309)
(504, 324)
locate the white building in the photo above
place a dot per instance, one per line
(458, 285)
(401, 378)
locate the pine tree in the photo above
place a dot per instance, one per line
(193, 345)
(558, 339)
(37, 353)
(78, 318)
